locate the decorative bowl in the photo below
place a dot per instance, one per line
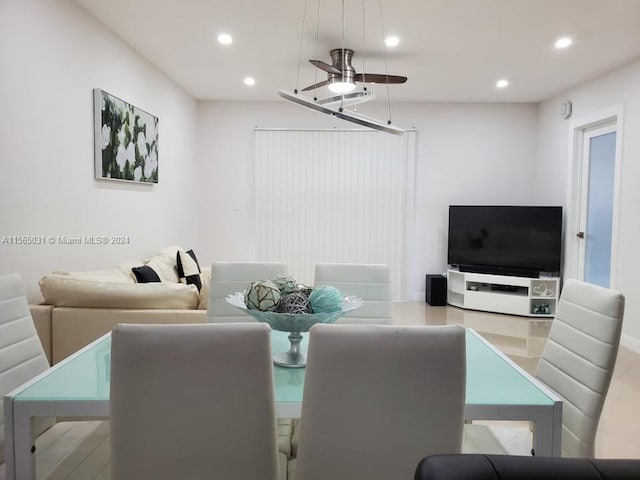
(295, 324)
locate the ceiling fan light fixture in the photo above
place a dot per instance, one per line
(342, 87)
(348, 99)
(341, 113)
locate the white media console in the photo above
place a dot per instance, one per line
(531, 297)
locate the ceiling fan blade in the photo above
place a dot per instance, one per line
(315, 85)
(325, 66)
(379, 78)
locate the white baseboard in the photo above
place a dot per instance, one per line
(630, 342)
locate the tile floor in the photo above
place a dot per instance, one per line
(522, 339)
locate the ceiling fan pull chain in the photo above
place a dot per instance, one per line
(364, 75)
(342, 54)
(304, 16)
(315, 70)
(386, 69)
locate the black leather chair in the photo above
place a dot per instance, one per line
(508, 467)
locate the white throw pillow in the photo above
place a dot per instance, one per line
(165, 266)
(188, 268)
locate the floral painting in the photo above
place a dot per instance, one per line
(126, 140)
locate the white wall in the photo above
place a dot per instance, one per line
(619, 87)
(52, 55)
(466, 153)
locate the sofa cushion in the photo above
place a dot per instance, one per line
(188, 268)
(120, 274)
(145, 274)
(67, 291)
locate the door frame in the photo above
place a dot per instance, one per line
(578, 130)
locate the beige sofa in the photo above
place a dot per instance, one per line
(81, 306)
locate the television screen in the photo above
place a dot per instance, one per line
(505, 239)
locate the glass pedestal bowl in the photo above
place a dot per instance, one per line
(294, 323)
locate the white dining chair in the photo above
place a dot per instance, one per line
(192, 401)
(579, 357)
(377, 399)
(230, 277)
(370, 282)
(577, 364)
(21, 354)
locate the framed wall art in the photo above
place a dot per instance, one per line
(126, 140)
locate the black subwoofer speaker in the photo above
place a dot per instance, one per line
(436, 290)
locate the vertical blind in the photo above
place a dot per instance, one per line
(336, 196)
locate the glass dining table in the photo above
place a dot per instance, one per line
(497, 389)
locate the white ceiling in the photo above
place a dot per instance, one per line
(451, 50)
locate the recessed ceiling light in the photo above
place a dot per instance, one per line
(225, 39)
(502, 83)
(563, 42)
(249, 81)
(392, 41)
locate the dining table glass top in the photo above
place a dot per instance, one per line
(491, 378)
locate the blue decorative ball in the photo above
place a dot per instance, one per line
(325, 299)
(262, 295)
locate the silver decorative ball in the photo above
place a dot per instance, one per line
(294, 303)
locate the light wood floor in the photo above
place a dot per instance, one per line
(80, 450)
(73, 451)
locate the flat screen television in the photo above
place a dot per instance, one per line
(506, 240)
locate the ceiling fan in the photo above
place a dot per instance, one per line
(342, 77)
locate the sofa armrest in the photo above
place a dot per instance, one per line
(41, 315)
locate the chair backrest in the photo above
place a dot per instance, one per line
(578, 359)
(21, 354)
(370, 282)
(192, 401)
(378, 398)
(231, 277)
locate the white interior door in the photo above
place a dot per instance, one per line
(597, 205)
